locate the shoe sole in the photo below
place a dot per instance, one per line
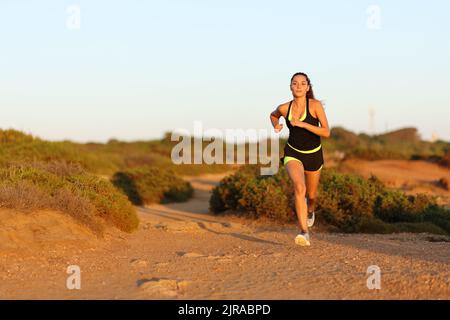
(302, 242)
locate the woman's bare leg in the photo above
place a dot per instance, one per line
(312, 183)
(296, 174)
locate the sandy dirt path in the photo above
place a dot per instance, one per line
(182, 252)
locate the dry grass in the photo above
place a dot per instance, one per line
(69, 189)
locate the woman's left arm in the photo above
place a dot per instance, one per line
(323, 130)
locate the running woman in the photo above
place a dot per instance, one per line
(303, 157)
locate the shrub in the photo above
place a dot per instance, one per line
(246, 191)
(18, 148)
(60, 186)
(12, 136)
(354, 204)
(378, 226)
(344, 138)
(443, 183)
(348, 203)
(438, 216)
(270, 205)
(229, 191)
(345, 200)
(445, 160)
(146, 185)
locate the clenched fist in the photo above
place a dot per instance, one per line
(278, 128)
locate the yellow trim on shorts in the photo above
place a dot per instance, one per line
(287, 159)
(305, 151)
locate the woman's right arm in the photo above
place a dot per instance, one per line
(274, 118)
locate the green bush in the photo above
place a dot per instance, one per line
(399, 144)
(269, 205)
(375, 225)
(345, 200)
(68, 188)
(438, 216)
(146, 185)
(394, 206)
(354, 204)
(347, 203)
(247, 191)
(114, 156)
(229, 191)
(18, 148)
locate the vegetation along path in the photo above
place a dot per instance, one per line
(181, 251)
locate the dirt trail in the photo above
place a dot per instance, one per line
(182, 252)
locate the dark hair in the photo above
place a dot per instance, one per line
(310, 93)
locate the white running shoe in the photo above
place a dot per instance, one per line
(310, 219)
(302, 239)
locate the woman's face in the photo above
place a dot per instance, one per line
(299, 86)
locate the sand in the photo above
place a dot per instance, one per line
(181, 251)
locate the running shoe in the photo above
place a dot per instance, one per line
(302, 239)
(310, 219)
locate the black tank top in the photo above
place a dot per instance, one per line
(300, 138)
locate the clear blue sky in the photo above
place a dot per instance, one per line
(136, 69)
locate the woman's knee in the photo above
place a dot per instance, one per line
(300, 189)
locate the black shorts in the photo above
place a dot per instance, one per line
(311, 161)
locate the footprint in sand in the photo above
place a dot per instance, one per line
(160, 287)
(224, 258)
(178, 226)
(138, 263)
(219, 258)
(195, 226)
(190, 254)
